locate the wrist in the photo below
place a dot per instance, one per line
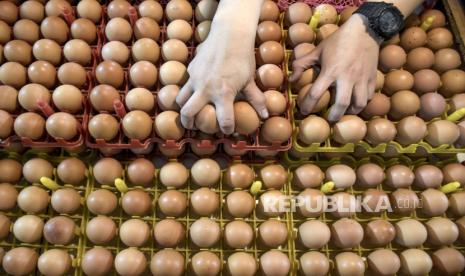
(361, 23)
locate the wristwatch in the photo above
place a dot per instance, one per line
(383, 20)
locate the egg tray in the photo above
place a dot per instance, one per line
(293, 248)
(252, 143)
(331, 146)
(47, 141)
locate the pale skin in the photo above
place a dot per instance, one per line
(225, 65)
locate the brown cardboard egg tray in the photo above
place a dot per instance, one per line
(293, 248)
(364, 146)
(252, 143)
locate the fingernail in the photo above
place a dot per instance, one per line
(264, 114)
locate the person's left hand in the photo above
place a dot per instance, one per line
(349, 58)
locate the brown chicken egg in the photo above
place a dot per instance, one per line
(238, 234)
(90, 9)
(167, 262)
(77, 50)
(168, 125)
(9, 12)
(107, 170)
(178, 9)
(461, 225)
(276, 130)
(5, 34)
(179, 29)
(270, 202)
(448, 261)
(169, 233)
(204, 232)
(442, 132)
(380, 130)
(399, 176)
(434, 202)
(349, 264)
(115, 51)
(62, 125)
(146, 27)
(204, 201)
(118, 29)
(412, 37)
(145, 49)
(13, 74)
(275, 263)
(375, 201)
(273, 176)
(342, 175)
(33, 10)
(172, 203)
(134, 232)
(240, 204)
(141, 172)
(446, 59)
(314, 263)
(439, 38)
(426, 80)
(65, 201)
(174, 49)
(72, 73)
(439, 19)
(241, 263)
(453, 82)
(420, 58)
(101, 230)
(31, 94)
(136, 202)
(71, 171)
(118, 8)
(383, 262)
(36, 168)
(346, 233)
(349, 129)
(26, 30)
(47, 50)
(272, 233)
(143, 74)
(173, 174)
(300, 51)
(379, 233)
(268, 31)
(398, 80)
(152, 9)
(110, 72)
(379, 105)
(300, 33)
(297, 13)
(432, 105)
(56, 7)
(103, 126)
(18, 51)
(325, 31)
(42, 72)
(6, 124)
(28, 228)
(270, 76)
(55, 28)
(410, 233)
(410, 130)
(246, 119)
(404, 201)
(205, 263)
(404, 103)
(8, 196)
(392, 57)
(67, 98)
(454, 172)
(30, 125)
(344, 205)
(314, 203)
(456, 203)
(103, 96)
(96, 261)
(60, 230)
(54, 262)
(322, 102)
(239, 176)
(271, 52)
(314, 234)
(428, 176)
(130, 261)
(173, 72)
(313, 129)
(9, 96)
(369, 175)
(328, 14)
(441, 231)
(10, 170)
(205, 120)
(5, 226)
(20, 260)
(101, 202)
(202, 30)
(205, 10)
(308, 176)
(269, 12)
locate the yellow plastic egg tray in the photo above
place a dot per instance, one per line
(292, 248)
(455, 16)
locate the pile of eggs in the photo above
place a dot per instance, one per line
(176, 208)
(418, 84)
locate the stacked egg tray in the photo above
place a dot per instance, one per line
(329, 145)
(293, 248)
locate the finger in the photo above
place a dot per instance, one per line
(184, 94)
(225, 113)
(371, 88)
(312, 97)
(343, 96)
(256, 99)
(303, 63)
(360, 97)
(192, 107)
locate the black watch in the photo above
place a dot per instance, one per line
(384, 19)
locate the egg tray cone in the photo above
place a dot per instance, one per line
(292, 248)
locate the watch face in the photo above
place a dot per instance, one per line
(389, 23)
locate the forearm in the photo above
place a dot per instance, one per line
(236, 20)
(405, 6)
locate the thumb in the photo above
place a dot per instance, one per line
(303, 63)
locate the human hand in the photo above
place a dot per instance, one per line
(348, 58)
(223, 67)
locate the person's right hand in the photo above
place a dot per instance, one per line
(349, 58)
